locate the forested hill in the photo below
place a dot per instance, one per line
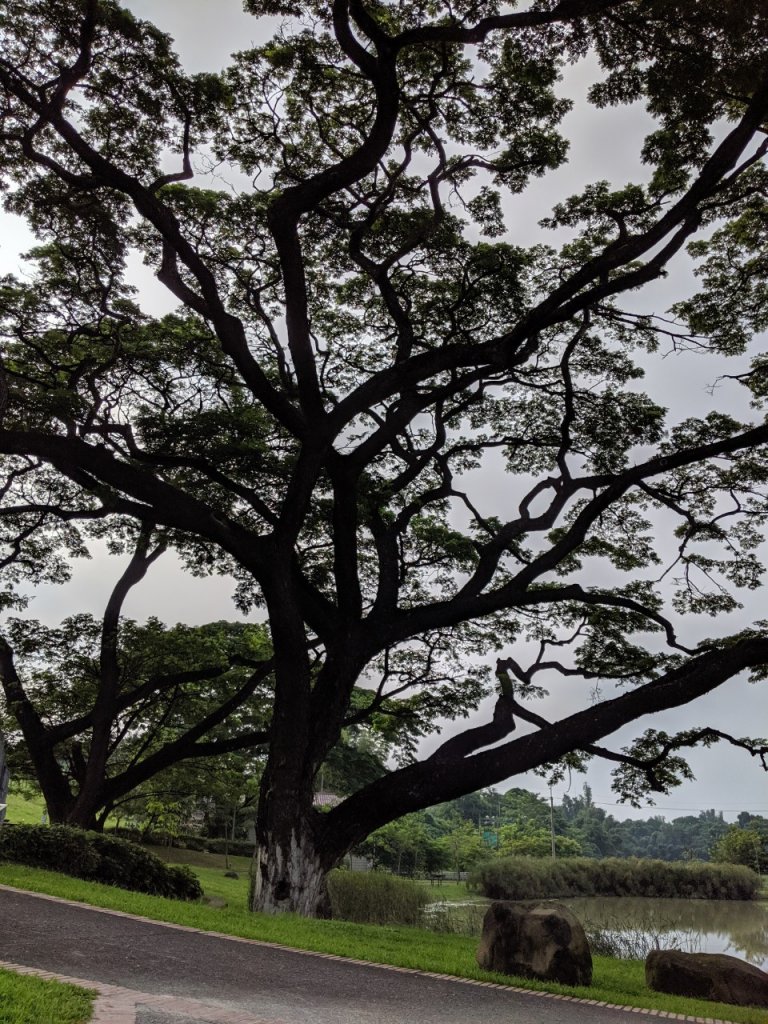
(600, 834)
(521, 823)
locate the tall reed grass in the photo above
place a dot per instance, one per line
(376, 898)
(524, 878)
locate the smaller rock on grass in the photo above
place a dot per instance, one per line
(542, 940)
(715, 976)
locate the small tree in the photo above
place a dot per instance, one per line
(233, 793)
(95, 709)
(520, 807)
(404, 846)
(521, 841)
(463, 845)
(748, 846)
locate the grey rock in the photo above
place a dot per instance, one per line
(715, 976)
(541, 940)
(214, 901)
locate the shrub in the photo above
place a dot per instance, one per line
(97, 858)
(236, 847)
(197, 843)
(748, 846)
(373, 897)
(525, 878)
(201, 844)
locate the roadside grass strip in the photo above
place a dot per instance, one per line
(618, 983)
(30, 1000)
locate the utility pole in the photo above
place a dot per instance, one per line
(552, 823)
(4, 776)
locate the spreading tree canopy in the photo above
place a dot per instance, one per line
(358, 333)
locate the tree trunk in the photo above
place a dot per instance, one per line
(289, 876)
(294, 850)
(72, 811)
(84, 815)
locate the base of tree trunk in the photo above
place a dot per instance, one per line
(289, 878)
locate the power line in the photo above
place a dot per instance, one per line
(673, 807)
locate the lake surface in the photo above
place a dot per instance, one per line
(631, 926)
(736, 927)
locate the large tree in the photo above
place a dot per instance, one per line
(359, 333)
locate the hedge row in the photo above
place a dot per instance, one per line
(97, 858)
(376, 898)
(202, 844)
(524, 878)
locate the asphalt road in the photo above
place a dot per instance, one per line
(270, 983)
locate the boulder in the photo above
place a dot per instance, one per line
(214, 901)
(541, 940)
(715, 976)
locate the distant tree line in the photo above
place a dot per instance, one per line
(457, 834)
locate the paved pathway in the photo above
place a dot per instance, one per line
(150, 973)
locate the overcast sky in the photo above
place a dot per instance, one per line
(604, 144)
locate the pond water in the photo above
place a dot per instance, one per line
(631, 926)
(736, 927)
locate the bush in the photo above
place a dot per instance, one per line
(373, 897)
(180, 842)
(236, 847)
(526, 878)
(748, 846)
(201, 844)
(97, 858)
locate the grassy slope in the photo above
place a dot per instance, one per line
(615, 981)
(24, 999)
(24, 810)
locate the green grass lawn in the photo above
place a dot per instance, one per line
(615, 981)
(24, 1000)
(451, 892)
(210, 869)
(24, 810)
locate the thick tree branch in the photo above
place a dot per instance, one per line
(444, 778)
(188, 743)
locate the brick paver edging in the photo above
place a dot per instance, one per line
(668, 1015)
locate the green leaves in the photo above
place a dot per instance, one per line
(732, 306)
(747, 846)
(691, 64)
(634, 784)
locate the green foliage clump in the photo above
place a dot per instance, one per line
(97, 858)
(183, 841)
(235, 847)
(375, 898)
(523, 878)
(748, 846)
